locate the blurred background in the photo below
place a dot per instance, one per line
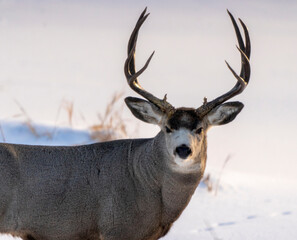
(52, 52)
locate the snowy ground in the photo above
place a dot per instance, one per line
(245, 206)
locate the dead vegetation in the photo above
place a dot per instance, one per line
(29, 123)
(111, 123)
(208, 182)
(110, 126)
(2, 133)
(68, 107)
(211, 184)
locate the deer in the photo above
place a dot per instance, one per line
(131, 189)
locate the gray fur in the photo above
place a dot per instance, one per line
(107, 191)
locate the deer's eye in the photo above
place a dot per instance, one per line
(168, 130)
(199, 131)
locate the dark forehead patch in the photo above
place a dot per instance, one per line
(183, 117)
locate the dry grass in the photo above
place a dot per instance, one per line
(28, 121)
(221, 172)
(68, 106)
(209, 182)
(111, 123)
(30, 124)
(2, 133)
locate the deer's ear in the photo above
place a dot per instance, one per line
(224, 113)
(144, 110)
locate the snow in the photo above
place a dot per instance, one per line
(21, 133)
(244, 206)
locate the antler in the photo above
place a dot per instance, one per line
(242, 80)
(132, 75)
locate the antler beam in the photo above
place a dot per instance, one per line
(242, 79)
(132, 75)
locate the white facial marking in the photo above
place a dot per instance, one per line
(184, 137)
(181, 136)
(185, 165)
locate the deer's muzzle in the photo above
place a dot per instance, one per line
(183, 151)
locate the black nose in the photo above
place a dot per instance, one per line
(183, 151)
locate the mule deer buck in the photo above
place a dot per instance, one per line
(130, 189)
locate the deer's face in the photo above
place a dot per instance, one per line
(184, 131)
(184, 135)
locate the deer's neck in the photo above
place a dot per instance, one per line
(174, 188)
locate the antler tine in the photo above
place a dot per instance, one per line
(242, 79)
(247, 52)
(131, 73)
